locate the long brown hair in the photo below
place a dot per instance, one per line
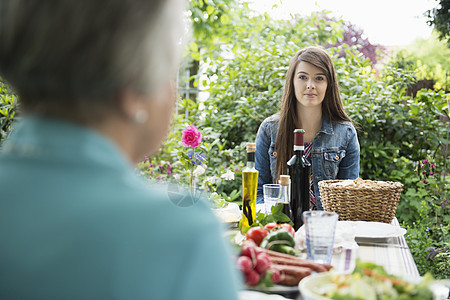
(332, 106)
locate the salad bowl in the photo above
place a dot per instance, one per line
(317, 285)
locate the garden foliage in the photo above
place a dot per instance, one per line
(8, 110)
(428, 58)
(438, 17)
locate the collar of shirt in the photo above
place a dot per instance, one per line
(327, 128)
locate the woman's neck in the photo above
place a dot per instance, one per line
(309, 119)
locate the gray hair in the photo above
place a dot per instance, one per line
(64, 52)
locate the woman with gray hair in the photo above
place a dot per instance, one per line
(93, 79)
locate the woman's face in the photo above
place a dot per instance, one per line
(310, 85)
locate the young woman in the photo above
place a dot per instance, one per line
(311, 101)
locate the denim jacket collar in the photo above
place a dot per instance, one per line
(327, 128)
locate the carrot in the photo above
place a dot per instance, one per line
(371, 273)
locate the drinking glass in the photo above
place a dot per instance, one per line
(320, 228)
(271, 196)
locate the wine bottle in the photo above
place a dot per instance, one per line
(285, 200)
(300, 171)
(249, 188)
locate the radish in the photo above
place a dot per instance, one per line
(252, 278)
(249, 248)
(262, 263)
(244, 264)
(258, 250)
(276, 276)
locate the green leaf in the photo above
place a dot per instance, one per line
(210, 9)
(278, 215)
(224, 19)
(193, 47)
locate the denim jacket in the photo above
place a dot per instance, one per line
(335, 153)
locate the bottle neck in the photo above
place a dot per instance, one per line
(251, 160)
(284, 193)
(299, 152)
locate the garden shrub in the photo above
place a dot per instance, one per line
(428, 58)
(429, 243)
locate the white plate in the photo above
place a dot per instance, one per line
(276, 289)
(254, 295)
(376, 230)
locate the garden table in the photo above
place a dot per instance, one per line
(392, 253)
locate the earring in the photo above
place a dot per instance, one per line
(141, 116)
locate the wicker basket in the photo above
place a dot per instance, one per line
(362, 200)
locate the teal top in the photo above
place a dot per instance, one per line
(77, 223)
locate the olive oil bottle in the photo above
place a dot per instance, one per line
(249, 188)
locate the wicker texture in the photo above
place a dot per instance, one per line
(374, 201)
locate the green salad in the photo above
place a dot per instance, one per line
(371, 282)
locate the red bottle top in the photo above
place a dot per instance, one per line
(298, 139)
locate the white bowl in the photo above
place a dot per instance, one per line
(440, 288)
(307, 284)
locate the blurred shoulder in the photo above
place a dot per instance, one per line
(168, 205)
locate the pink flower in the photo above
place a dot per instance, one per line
(168, 172)
(424, 181)
(191, 137)
(433, 165)
(431, 172)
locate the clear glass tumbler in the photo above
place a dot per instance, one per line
(272, 194)
(320, 228)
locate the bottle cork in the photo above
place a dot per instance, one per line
(284, 179)
(251, 147)
(298, 137)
